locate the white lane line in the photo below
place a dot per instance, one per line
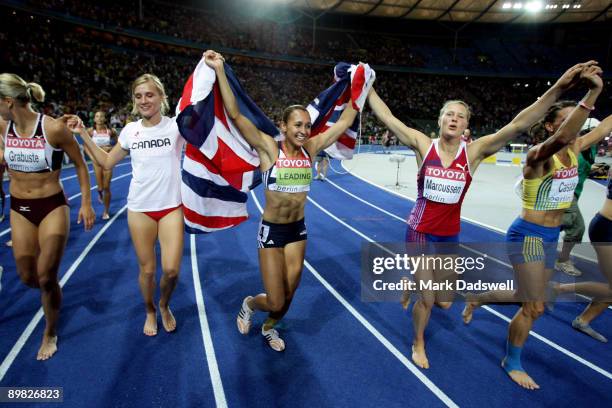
(499, 261)
(12, 355)
(471, 221)
(381, 338)
(209, 348)
(366, 202)
(6, 231)
(480, 224)
(536, 335)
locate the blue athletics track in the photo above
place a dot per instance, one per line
(340, 351)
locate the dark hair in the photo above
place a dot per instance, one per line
(538, 131)
(289, 110)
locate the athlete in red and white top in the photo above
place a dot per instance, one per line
(446, 167)
(154, 200)
(104, 137)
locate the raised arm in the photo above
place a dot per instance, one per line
(570, 128)
(406, 135)
(596, 135)
(488, 145)
(331, 135)
(59, 135)
(261, 142)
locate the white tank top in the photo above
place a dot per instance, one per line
(102, 139)
(156, 164)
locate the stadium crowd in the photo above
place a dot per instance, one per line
(84, 76)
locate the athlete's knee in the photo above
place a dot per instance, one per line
(26, 269)
(533, 310)
(275, 304)
(444, 305)
(47, 283)
(147, 271)
(28, 277)
(427, 303)
(171, 273)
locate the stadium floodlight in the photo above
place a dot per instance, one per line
(533, 6)
(507, 5)
(566, 6)
(517, 6)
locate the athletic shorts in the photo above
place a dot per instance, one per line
(427, 243)
(36, 209)
(158, 215)
(321, 156)
(600, 229)
(573, 223)
(271, 235)
(539, 243)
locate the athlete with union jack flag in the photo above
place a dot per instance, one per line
(286, 168)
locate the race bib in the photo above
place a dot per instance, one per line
(102, 140)
(444, 185)
(293, 175)
(564, 183)
(25, 154)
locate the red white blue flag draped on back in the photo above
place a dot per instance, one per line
(220, 167)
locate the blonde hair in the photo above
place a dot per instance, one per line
(143, 79)
(457, 101)
(15, 87)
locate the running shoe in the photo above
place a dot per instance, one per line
(243, 321)
(274, 341)
(567, 268)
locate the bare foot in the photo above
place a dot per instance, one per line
(47, 348)
(105, 216)
(168, 320)
(419, 357)
(468, 311)
(522, 379)
(150, 326)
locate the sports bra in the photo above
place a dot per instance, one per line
(289, 175)
(33, 154)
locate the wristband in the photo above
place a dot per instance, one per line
(585, 106)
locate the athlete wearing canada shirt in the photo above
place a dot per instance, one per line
(154, 200)
(436, 215)
(156, 164)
